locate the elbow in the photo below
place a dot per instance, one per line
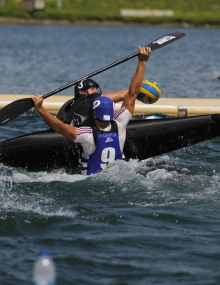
(134, 93)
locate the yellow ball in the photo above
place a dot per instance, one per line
(149, 92)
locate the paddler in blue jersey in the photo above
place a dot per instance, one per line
(103, 142)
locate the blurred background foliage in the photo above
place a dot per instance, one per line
(194, 12)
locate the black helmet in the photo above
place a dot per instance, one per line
(84, 85)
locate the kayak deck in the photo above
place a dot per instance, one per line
(47, 150)
(166, 106)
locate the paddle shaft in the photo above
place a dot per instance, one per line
(153, 45)
(89, 75)
(16, 108)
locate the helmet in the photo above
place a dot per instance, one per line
(103, 108)
(149, 92)
(87, 83)
(84, 85)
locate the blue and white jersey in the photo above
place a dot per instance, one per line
(107, 150)
(86, 139)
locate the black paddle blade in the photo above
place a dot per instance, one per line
(165, 40)
(14, 109)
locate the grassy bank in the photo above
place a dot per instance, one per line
(192, 12)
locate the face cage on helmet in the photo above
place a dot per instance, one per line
(98, 90)
(86, 92)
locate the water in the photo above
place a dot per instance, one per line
(148, 222)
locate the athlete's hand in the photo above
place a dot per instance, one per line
(38, 101)
(144, 53)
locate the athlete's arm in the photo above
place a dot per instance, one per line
(129, 100)
(117, 96)
(70, 132)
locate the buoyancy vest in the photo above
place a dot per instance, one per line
(107, 150)
(78, 111)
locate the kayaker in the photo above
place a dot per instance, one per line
(103, 142)
(78, 110)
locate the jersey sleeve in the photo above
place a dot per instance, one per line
(122, 117)
(86, 139)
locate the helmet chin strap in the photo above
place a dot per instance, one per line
(86, 93)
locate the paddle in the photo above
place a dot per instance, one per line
(18, 107)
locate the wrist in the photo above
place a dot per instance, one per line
(40, 109)
(142, 62)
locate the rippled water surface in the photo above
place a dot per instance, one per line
(137, 222)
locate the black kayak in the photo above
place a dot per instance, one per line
(47, 150)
